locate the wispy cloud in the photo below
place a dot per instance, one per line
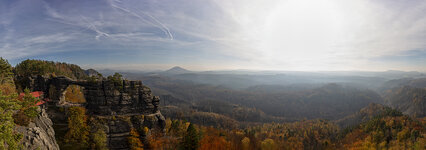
(285, 35)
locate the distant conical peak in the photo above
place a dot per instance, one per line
(177, 70)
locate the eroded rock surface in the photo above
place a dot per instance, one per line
(103, 97)
(39, 134)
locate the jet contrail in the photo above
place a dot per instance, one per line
(93, 28)
(157, 23)
(156, 20)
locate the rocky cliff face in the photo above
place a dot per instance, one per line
(117, 107)
(108, 98)
(103, 97)
(118, 127)
(39, 134)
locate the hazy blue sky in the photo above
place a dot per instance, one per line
(218, 34)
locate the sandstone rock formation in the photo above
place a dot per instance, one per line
(39, 134)
(119, 106)
(103, 97)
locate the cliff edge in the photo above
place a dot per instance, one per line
(39, 134)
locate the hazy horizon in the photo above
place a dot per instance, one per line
(292, 35)
(247, 70)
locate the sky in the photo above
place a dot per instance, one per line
(293, 35)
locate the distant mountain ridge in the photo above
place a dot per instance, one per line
(91, 72)
(409, 100)
(329, 101)
(363, 115)
(407, 95)
(373, 110)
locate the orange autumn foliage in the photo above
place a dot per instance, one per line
(213, 141)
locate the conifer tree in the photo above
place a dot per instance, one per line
(8, 137)
(6, 74)
(191, 138)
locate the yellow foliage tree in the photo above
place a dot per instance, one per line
(78, 132)
(245, 143)
(268, 144)
(134, 140)
(74, 94)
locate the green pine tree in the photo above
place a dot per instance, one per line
(8, 137)
(191, 139)
(6, 74)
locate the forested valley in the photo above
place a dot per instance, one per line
(314, 115)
